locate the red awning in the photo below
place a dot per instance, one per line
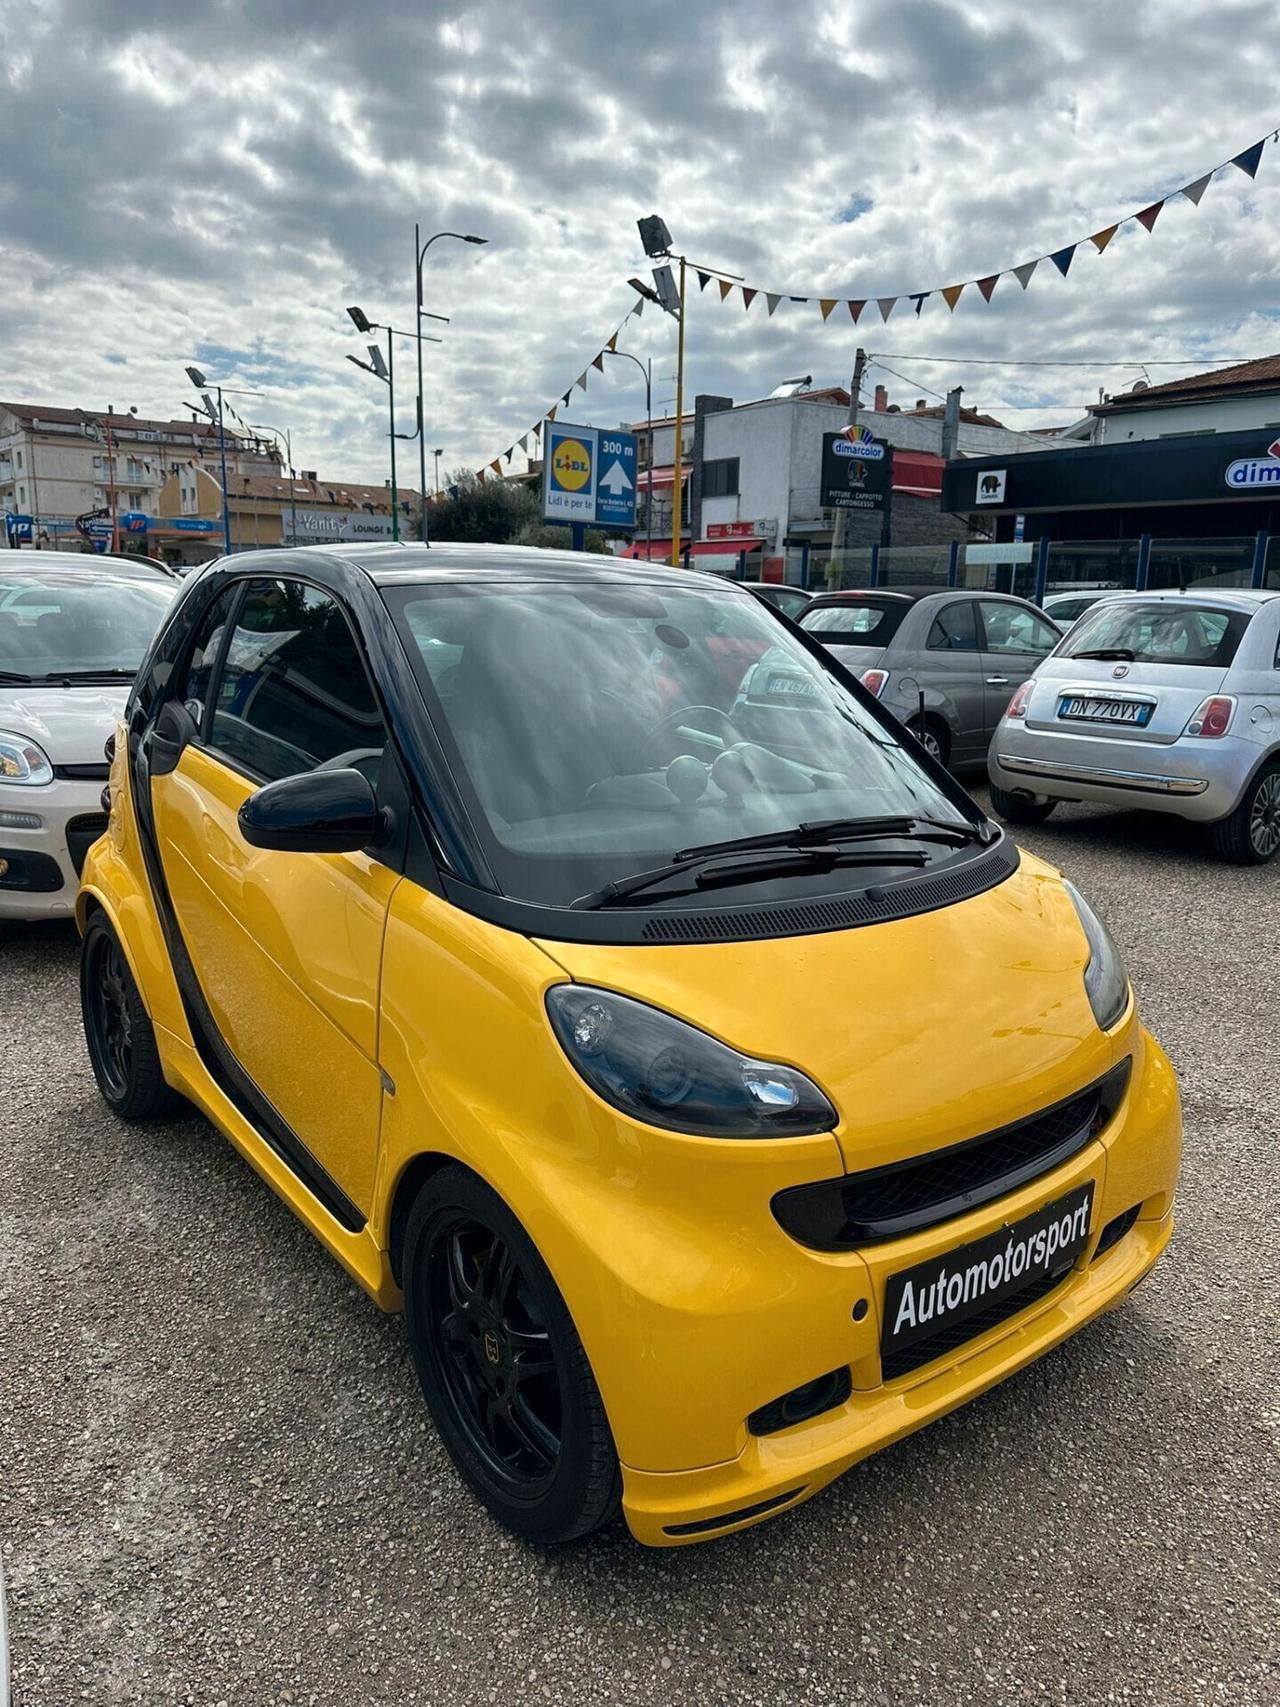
(655, 550)
(724, 547)
(917, 472)
(663, 475)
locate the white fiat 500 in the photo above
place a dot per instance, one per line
(1169, 701)
(73, 630)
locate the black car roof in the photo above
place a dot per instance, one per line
(390, 564)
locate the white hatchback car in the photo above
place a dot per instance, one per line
(73, 630)
(1167, 700)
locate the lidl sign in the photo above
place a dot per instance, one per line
(589, 476)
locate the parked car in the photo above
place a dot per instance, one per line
(1066, 608)
(73, 629)
(1169, 701)
(791, 601)
(676, 1055)
(962, 650)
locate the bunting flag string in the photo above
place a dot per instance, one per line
(1247, 161)
(534, 432)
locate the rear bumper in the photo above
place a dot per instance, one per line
(1200, 780)
(44, 834)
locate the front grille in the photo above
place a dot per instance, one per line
(900, 1363)
(802, 1403)
(1115, 1230)
(82, 833)
(885, 1203)
(83, 773)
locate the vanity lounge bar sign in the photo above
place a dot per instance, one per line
(1252, 471)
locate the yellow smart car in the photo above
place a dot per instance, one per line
(605, 978)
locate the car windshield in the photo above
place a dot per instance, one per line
(861, 622)
(1161, 632)
(597, 729)
(82, 624)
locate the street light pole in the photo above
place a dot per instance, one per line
(677, 484)
(283, 433)
(385, 371)
(222, 453)
(419, 252)
(391, 399)
(646, 368)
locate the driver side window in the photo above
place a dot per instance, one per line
(292, 694)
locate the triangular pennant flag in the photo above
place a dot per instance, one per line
(885, 305)
(771, 301)
(1193, 192)
(799, 299)
(612, 343)
(748, 296)
(951, 295)
(638, 310)
(856, 306)
(704, 279)
(1062, 259)
(1149, 215)
(496, 466)
(919, 299)
(582, 379)
(1248, 161)
(725, 288)
(551, 412)
(565, 399)
(1100, 239)
(523, 442)
(1024, 272)
(480, 475)
(987, 285)
(826, 304)
(599, 361)
(536, 429)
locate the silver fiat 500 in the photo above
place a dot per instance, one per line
(1169, 701)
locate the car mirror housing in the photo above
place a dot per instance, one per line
(318, 812)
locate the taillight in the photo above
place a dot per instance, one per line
(1018, 704)
(1212, 717)
(874, 680)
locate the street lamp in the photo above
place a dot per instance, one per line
(201, 384)
(657, 246)
(283, 433)
(646, 368)
(385, 371)
(438, 454)
(419, 251)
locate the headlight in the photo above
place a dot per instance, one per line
(21, 761)
(1105, 979)
(657, 1069)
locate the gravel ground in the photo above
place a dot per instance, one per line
(217, 1484)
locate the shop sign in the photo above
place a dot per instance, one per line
(1250, 472)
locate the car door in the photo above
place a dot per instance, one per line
(286, 947)
(1014, 638)
(951, 666)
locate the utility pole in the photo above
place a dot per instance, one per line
(677, 483)
(840, 533)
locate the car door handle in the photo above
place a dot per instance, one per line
(997, 681)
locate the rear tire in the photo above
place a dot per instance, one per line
(120, 1036)
(933, 736)
(1251, 834)
(1014, 809)
(502, 1369)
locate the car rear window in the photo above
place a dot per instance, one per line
(859, 622)
(1162, 632)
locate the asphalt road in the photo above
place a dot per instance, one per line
(217, 1484)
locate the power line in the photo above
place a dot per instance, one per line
(1014, 361)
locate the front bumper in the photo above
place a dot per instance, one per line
(1189, 778)
(45, 833)
(1134, 1163)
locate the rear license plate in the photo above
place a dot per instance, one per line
(1135, 711)
(939, 1295)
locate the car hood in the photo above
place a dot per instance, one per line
(922, 1031)
(71, 724)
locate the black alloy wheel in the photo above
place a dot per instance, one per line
(501, 1366)
(122, 1043)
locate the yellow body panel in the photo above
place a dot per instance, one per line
(693, 1305)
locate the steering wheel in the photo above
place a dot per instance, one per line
(673, 719)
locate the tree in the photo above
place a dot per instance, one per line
(499, 512)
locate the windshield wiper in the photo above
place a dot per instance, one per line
(830, 830)
(81, 678)
(13, 676)
(708, 873)
(1109, 654)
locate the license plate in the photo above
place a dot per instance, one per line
(939, 1295)
(1135, 711)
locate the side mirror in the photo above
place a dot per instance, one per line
(317, 812)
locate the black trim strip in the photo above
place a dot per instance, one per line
(221, 1064)
(708, 1525)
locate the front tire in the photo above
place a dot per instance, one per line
(1251, 834)
(1016, 809)
(502, 1369)
(120, 1036)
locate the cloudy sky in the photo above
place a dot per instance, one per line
(217, 182)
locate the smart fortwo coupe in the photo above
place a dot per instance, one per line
(722, 1095)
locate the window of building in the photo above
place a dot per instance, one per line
(292, 693)
(18, 458)
(136, 500)
(22, 495)
(720, 478)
